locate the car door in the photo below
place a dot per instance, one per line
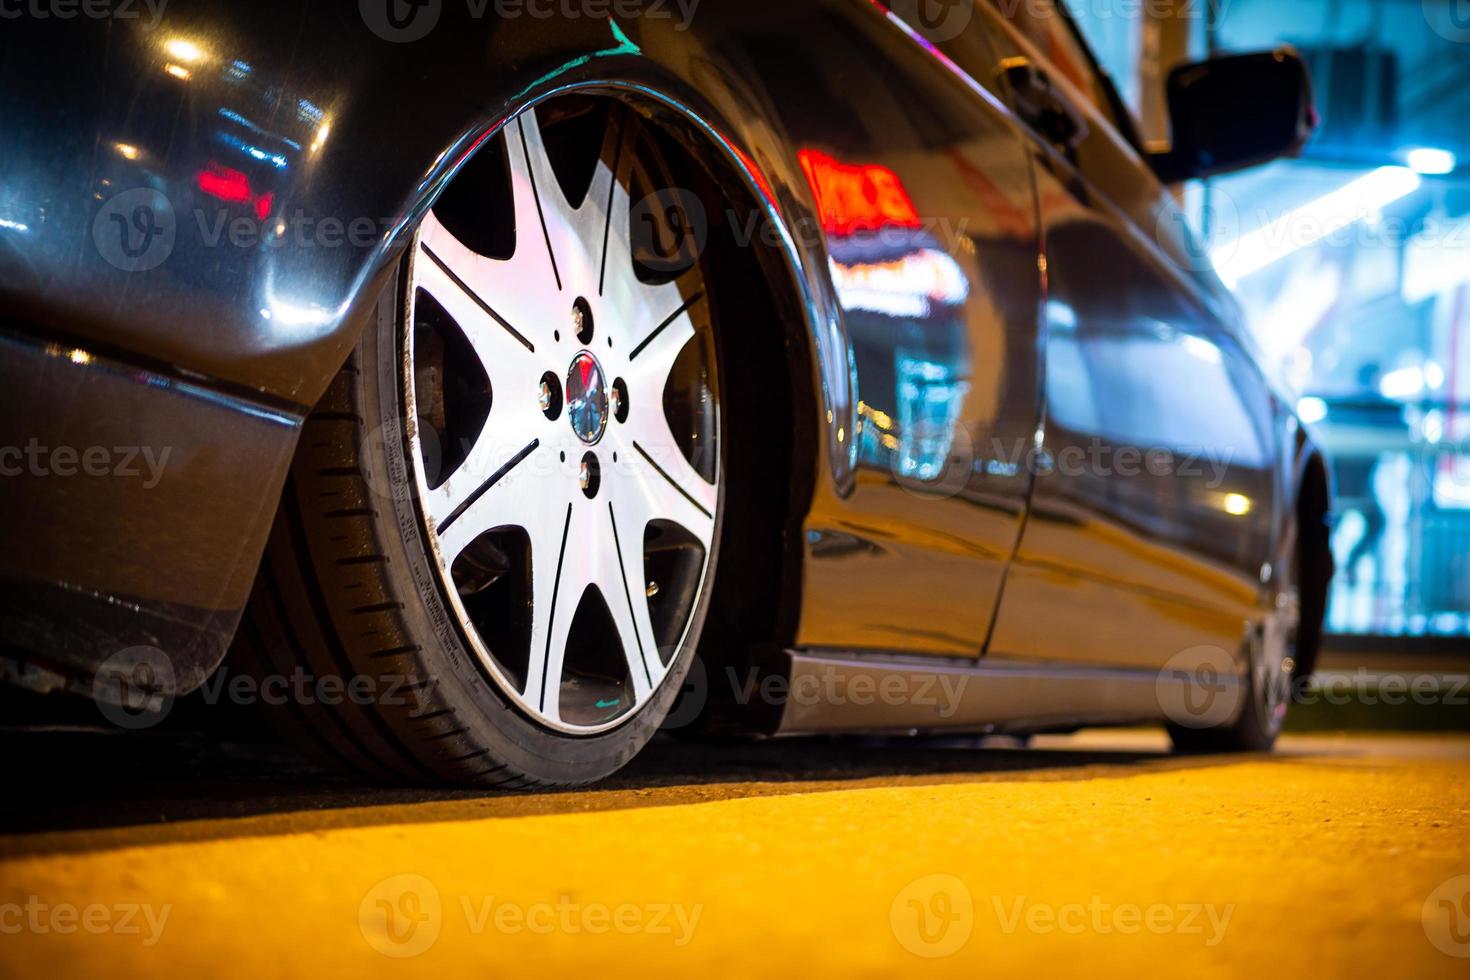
(926, 214)
(1153, 508)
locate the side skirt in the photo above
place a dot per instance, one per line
(845, 691)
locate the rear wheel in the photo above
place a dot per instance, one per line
(503, 520)
(1271, 653)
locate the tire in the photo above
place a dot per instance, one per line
(1271, 651)
(514, 575)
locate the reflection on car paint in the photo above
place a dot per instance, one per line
(901, 292)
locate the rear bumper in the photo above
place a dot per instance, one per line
(136, 508)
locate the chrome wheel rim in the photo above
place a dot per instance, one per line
(1274, 654)
(573, 498)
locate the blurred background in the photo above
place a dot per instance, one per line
(1353, 266)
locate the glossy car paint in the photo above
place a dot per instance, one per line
(1145, 363)
(296, 149)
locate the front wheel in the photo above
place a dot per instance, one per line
(503, 520)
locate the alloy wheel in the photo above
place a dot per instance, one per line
(563, 417)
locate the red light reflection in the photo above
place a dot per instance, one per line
(225, 184)
(857, 197)
(232, 186)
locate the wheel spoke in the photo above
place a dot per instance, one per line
(654, 354)
(512, 496)
(540, 206)
(521, 293)
(610, 189)
(557, 585)
(490, 460)
(656, 483)
(623, 586)
(461, 282)
(653, 468)
(444, 269)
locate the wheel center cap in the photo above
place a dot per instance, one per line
(587, 398)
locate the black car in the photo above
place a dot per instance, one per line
(483, 386)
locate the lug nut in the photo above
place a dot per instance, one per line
(549, 396)
(652, 590)
(582, 320)
(617, 400)
(589, 477)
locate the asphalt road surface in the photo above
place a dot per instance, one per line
(171, 854)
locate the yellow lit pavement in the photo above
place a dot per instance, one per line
(1337, 857)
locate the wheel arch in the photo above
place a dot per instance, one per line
(780, 440)
(1313, 522)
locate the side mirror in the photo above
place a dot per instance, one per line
(1235, 112)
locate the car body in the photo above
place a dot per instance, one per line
(1031, 444)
